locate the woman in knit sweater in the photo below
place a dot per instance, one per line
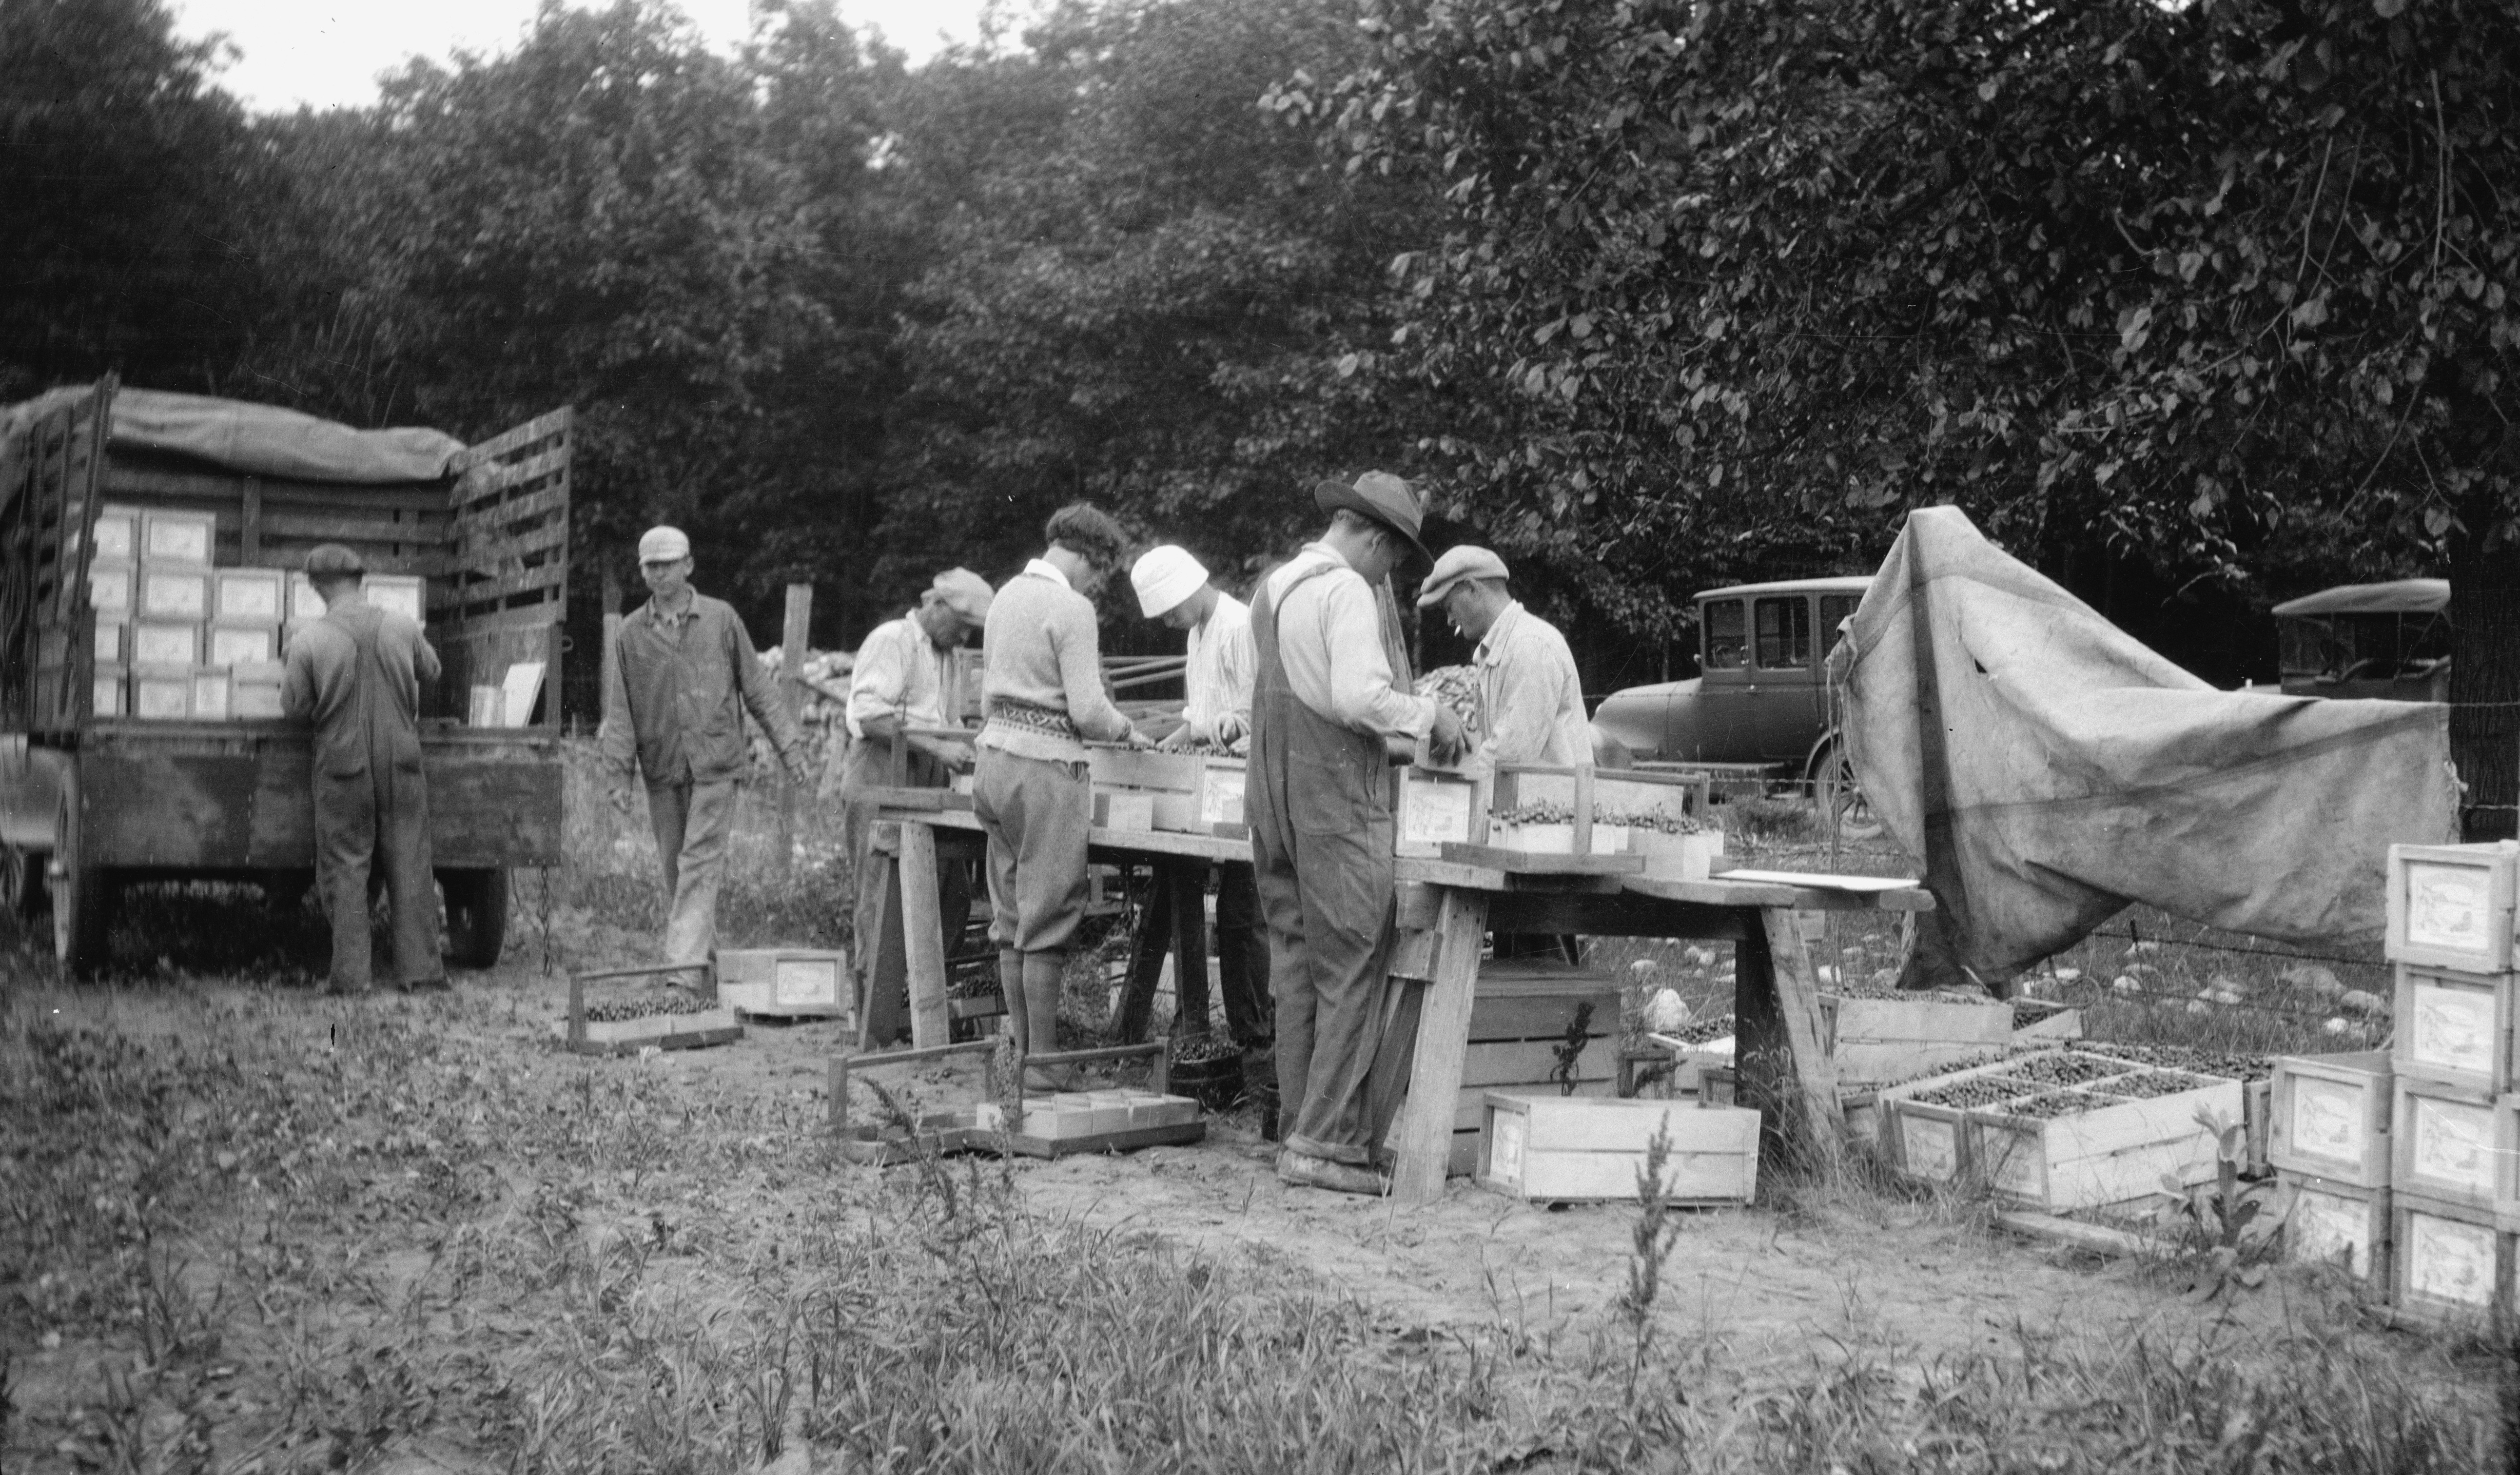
(1044, 694)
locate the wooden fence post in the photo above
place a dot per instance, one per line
(791, 686)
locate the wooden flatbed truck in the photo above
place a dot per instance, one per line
(92, 801)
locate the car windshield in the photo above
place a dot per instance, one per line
(1784, 634)
(1724, 636)
(2361, 646)
(1834, 611)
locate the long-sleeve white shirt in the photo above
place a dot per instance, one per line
(899, 673)
(1329, 640)
(1223, 663)
(1531, 698)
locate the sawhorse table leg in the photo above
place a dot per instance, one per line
(1176, 926)
(1779, 1050)
(922, 932)
(1422, 1146)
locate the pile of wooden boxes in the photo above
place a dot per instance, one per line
(179, 638)
(2404, 1167)
(1192, 793)
(1548, 810)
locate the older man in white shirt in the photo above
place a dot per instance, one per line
(1531, 700)
(1173, 587)
(1331, 703)
(904, 680)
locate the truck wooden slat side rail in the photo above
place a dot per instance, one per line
(90, 802)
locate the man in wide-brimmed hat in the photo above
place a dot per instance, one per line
(904, 679)
(1330, 705)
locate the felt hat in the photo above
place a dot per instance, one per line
(964, 593)
(1461, 561)
(335, 560)
(1164, 576)
(1381, 496)
(664, 545)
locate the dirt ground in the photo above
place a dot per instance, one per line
(381, 1229)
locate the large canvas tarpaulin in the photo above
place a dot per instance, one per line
(262, 440)
(2049, 770)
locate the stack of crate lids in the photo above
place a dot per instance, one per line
(179, 638)
(2452, 1209)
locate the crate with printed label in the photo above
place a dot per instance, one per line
(242, 644)
(1575, 1149)
(249, 597)
(117, 537)
(175, 538)
(2442, 1142)
(1438, 809)
(166, 643)
(2451, 906)
(2330, 1221)
(112, 588)
(173, 592)
(254, 690)
(785, 983)
(2451, 1264)
(161, 693)
(214, 694)
(2330, 1117)
(2457, 1027)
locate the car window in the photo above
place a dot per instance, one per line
(1723, 621)
(1834, 609)
(1784, 634)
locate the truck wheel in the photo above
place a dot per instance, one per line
(83, 895)
(476, 917)
(20, 870)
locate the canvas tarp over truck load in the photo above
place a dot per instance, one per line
(2049, 770)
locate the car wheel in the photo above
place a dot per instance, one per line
(1842, 804)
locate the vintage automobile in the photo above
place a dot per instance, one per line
(1763, 695)
(2387, 641)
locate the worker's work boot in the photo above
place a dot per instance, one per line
(1010, 993)
(1042, 973)
(1307, 1170)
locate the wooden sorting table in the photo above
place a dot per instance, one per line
(1451, 904)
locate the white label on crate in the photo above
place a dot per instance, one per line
(1221, 801)
(1932, 1148)
(2450, 907)
(181, 595)
(2324, 1228)
(2013, 1161)
(249, 598)
(2327, 1118)
(109, 588)
(165, 646)
(2452, 1027)
(2453, 1141)
(113, 536)
(804, 980)
(2449, 1261)
(162, 698)
(1436, 813)
(1505, 1154)
(108, 644)
(178, 540)
(399, 593)
(239, 648)
(210, 696)
(304, 603)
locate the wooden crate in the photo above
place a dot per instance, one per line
(2457, 1027)
(1874, 1040)
(1117, 1120)
(171, 537)
(938, 1134)
(2442, 1143)
(1519, 1018)
(112, 588)
(2448, 1263)
(2506, 1160)
(1677, 857)
(179, 593)
(1576, 1151)
(1123, 810)
(2044, 1021)
(2119, 1149)
(1930, 1143)
(117, 532)
(2331, 1222)
(249, 597)
(162, 694)
(242, 644)
(166, 643)
(2328, 1117)
(785, 983)
(213, 692)
(627, 1037)
(1871, 1115)
(403, 594)
(1438, 809)
(1198, 794)
(2451, 906)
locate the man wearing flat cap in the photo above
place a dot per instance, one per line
(356, 675)
(904, 679)
(1330, 704)
(1173, 587)
(1531, 700)
(683, 674)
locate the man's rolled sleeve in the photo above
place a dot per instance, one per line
(1362, 694)
(762, 693)
(880, 685)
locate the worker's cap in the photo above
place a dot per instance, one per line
(335, 560)
(664, 545)
(1165, 576)
(1379, 494)
(964, 593)
(1461, 561)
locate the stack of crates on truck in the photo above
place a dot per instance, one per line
(2451, 1209)
(151, 545)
